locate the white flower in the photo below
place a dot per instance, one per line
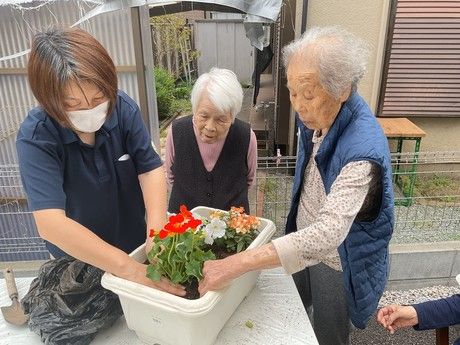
(215, 229)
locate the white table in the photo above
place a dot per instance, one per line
(274, 308)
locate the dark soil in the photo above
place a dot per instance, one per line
(221, 253)
(191, 287)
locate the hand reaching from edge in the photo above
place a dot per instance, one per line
(394, 317)
(138, 275)
(218, 274)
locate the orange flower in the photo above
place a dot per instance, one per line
(217, 215)
(237, 209)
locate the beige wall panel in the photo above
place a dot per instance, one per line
(366, 19)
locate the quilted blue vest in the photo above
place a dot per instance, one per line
(354, 136)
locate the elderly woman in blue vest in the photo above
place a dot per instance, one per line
(211, 157)
(341, 217)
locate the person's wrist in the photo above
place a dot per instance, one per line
(239, 264)
(124, 265)
(413, 314)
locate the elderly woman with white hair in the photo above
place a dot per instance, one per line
(342, 215)
(211, 156)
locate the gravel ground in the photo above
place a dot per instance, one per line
(376, 334)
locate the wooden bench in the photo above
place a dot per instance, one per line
(401, 130)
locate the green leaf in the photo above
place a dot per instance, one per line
(239, 247)
(153, 273)
(181, 250)
(208, 255)
(193, 268)
(249, 324)
(177, 277)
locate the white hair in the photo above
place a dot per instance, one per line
(339, 56)
(223, 89)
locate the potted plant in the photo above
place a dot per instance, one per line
(180, 248)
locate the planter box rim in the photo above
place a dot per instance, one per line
(190, 308)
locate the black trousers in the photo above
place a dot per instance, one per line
(323, 296)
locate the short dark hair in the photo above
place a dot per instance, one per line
(60, 56)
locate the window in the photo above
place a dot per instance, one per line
(421, 73)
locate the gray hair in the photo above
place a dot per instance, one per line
(223, 89)
(340, 57)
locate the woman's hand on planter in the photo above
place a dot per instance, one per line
(218, 274)
(138, 275)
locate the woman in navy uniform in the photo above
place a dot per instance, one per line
(93, 180)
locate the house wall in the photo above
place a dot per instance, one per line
(223, 43)
(368, 19)
(442, 134)
(365, 18)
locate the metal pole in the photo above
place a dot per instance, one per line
(143, 53)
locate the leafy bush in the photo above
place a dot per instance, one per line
(183, 90)
(164, 86)
(171, 97)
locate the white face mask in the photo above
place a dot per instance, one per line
(90, 120)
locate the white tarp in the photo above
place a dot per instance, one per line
(273, 309)
(257, 13)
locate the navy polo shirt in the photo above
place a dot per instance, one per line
(98, 185)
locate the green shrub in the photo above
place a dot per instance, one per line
(164, 86)
(181, 106)
(182, 92)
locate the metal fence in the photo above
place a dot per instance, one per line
(426, 188)
(427, 198)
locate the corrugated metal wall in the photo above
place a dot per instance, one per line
(18, 236)
(423, 76)
(223, 43)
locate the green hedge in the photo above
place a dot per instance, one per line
(171, 97)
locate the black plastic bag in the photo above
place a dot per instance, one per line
(67, 304)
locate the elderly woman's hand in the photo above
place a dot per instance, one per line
(218, 274)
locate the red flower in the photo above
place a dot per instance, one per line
(178, 224)
(193, 223)
(176, 218)
(163, 234)
(184, 212)
(178, 228)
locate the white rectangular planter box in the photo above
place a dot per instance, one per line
(160, 318)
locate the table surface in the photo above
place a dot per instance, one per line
(273, 306)
(400, 127)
